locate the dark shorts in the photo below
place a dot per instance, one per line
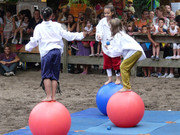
(51, 65)
(110, 63)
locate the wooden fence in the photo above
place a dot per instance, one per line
(35, 57)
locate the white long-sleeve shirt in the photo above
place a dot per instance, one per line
(48, 35)
(103, 29)
(124, 45)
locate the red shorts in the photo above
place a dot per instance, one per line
(110, 63)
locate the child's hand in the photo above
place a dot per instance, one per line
(156, 44)
(3, 62)
(106, 46)
(84, 33)
(163, 33)
(99, 37)
(172, 34)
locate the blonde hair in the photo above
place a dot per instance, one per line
(116, 26)
(172, 21)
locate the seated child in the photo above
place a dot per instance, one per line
(158, 30)
(21, 29)
(147, 50)
(90, 31)
(172, 31)
(130, 6)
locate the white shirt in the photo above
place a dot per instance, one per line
(103, 29)
(166, 24)
(124, 45)
(49, 36)
(88, 29)
(175, 31)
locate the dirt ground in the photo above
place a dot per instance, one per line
(20, 93)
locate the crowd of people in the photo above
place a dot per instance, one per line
(162, 20)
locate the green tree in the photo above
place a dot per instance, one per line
(14, 1)
(140, 5)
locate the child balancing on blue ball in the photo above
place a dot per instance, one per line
(124, 45)
(48, 35)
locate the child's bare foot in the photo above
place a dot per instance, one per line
(124, 89)
(53, 99)
(118, 81)
(47, 99)
(107, 82)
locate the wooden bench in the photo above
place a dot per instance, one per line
(35, 57)
(162, 62)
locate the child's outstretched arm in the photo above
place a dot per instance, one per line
(33, 40)
(70, 36)
(99, 31)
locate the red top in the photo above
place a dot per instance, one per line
(119, 4)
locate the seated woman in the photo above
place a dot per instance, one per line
(8, 62)
(21, 29)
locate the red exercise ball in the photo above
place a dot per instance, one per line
(125, 109)
(49, 118)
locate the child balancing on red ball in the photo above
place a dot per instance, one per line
(124, 45)
(48, 35)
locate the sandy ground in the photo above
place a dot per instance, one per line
(20, 93)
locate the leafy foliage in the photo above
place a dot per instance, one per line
(14, 1)
(78, 1)
(140, 5)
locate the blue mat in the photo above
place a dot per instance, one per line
(93, 122)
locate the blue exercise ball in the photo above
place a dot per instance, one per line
(104, 94)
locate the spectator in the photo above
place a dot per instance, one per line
(1, 29)
(62, 18)
(167, 10)
(18, 21)
(83, 50)
(178, 18)
(35, 21)
(130, 16)
(119, 5)
(71, 24)
(147, 49)
(168, 50)
(130, 29)
(27, 13)
(87, 14)
(110, 2)
(160, 14)
(151, 15)
(100, 16)
(151, 30)
(9, 26)
(8, 62)
(124, 20)
(172, 16)
(130, 6)
(158, 30)
(94, 18)
(143, 21)
(99, 50)
(172, 31)
(21, 29)
(54, 17)
(90, 32)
